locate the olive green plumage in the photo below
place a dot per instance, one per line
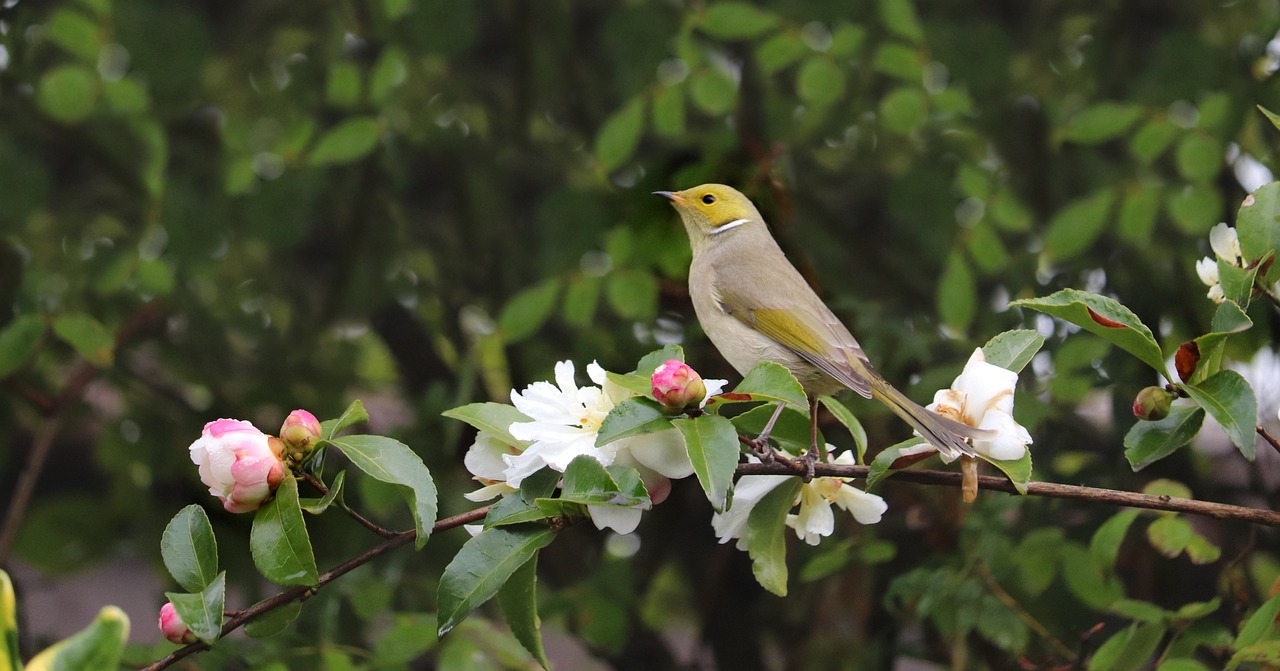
(755, 306)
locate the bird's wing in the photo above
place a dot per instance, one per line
(806, 326)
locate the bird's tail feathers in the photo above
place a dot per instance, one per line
(944, 433)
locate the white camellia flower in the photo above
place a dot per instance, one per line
(982, 396)
(484, 459)
(815, 518)
(1225, 242)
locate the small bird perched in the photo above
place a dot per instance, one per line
(755, 306)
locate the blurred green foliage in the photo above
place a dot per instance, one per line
(232, 209)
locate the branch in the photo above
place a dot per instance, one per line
(364, 521)
(1222, 511)
(304, 592)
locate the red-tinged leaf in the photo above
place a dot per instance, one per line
(1186, 359)
(906, 460)
(1109, 323)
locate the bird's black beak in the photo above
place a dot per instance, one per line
(671, 196)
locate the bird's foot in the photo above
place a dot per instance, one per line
(761, 450)
(808, 461)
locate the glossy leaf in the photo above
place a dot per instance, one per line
(482, 567)
(1105, 317)
(351, 140)
(1228, 398)
(632, 417)
(769, 381)
(1129, 649)
(849, 421)
(1104, 547)
(1149, 442)
(354, 414)
(766, 536)
(1170, 535)
(1258, 224)
(494, 418)
(316, 506)
(392, 462)
(518, 598)
(712, 442)
(1013, 350)
(202, 611)
(189, 549)
(528, 310)
(1017, 470)
(790, 433)
(279, 541)
(620, 135)
(1261, 624)
(273, 621)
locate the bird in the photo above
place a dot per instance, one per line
(755, 306)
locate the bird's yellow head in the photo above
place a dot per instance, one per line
(710, 211)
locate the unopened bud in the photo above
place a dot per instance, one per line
(173, 627)
(1153, 403)
(300, 433)
(677, 386)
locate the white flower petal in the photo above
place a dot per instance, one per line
(621, 520)
(1216, 294)
(564, 378)
(865, 507)
(746, 494)
(1010, 441)
(489, 492)
(484, 457)
(1207, 269)
(662, 451)
(597, 374)
(986, 387)
(1225, 243)
(815, 519)
(713, 387)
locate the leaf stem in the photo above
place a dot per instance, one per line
(368, 524)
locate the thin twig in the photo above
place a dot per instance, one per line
(366, 522)
(1027, 618)
(1266, 435)
(1222, 511)
(304, 592)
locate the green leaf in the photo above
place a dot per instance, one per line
(769, 381)
(588, 482)
(904, 110)
(1201, 550)
(1271, 116)
(1199, 157)
(1102, 316)
(1152, 139)
(74, 32)
(899, 16)
(1194, 208)
(349, 141)
(10, 657)
(1013, 350)
(494, 418)
(736, 21)
(1075, 227)
(1260, 625)
(354, 414)
(781, 51)
(87, 336)
(620, 135)
(633, 294)
(1265, 652)
(651, 361)
(580, 300)
(97, 646)
(712, 442)
(343, 86)
(1181, 664)
(1094, 588)
(1228, 319)
(518, 598)
(279, 542)
(387, 75)
(18, 341)
(766, 536)
(203, 610)
(67, 93)
(791, 433)
(1104, 547)
(1228, 398)
(516, 509)
(1017, 470)
(1170, 535)
(850, 422)
(317, 506)
(846, 40)
(1129, 649)
(1149, 442)
(1198, 609)
(713, 91)
(1102, 122)
(392, 462)
(957, 293)
(883, 465)
(528, 310)
(632, 417)
(1258, 225)
(1138, 213)
(1037, 559)
(668, 112)
(273, 621)
(189, 549)
(820, 82)
(483, 566)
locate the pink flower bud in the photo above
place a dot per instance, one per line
(173, 627)
(677, 386)
(241, 465)
(300, 433)
(1152, 403)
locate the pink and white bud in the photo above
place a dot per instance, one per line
(300, 433)
(241, 465)
(677, 386)
(173, 627)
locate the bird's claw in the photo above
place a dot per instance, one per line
(761, 450)
(808, 461)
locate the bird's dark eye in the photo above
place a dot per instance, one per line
(708, 199)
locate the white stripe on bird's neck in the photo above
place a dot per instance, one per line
(724, 227)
